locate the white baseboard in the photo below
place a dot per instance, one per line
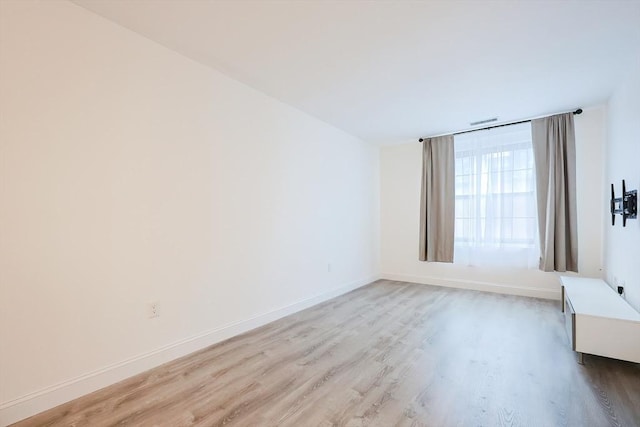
(477, 286)
(52, 396)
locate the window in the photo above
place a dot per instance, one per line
(495, 205)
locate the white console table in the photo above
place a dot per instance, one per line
(599, 321)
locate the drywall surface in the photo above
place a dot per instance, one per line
(622, 244)
(592, 202)
(400, 169)
(131, 175)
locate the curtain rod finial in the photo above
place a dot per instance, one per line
(578, 111)
(421, 139)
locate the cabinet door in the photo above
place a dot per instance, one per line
(570, 321)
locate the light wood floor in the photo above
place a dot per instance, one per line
(387, 354)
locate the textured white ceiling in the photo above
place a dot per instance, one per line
(390, 71)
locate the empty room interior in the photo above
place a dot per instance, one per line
(319, 213)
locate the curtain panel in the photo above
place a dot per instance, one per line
(555, 162)
(496, 216)
(437, 200)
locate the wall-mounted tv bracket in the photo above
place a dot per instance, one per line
(627, 205)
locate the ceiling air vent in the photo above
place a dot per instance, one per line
(481, 122)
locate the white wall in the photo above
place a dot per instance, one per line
(592, 200)
(622, 245)
(400, 169)
(131, 174)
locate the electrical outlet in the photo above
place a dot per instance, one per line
(152, 310)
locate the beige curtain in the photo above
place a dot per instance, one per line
(437, 200)
(554, 150)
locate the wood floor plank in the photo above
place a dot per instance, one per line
(388, 354)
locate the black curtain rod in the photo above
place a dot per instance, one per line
(578, 111)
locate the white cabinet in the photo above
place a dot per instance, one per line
(599, 321)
